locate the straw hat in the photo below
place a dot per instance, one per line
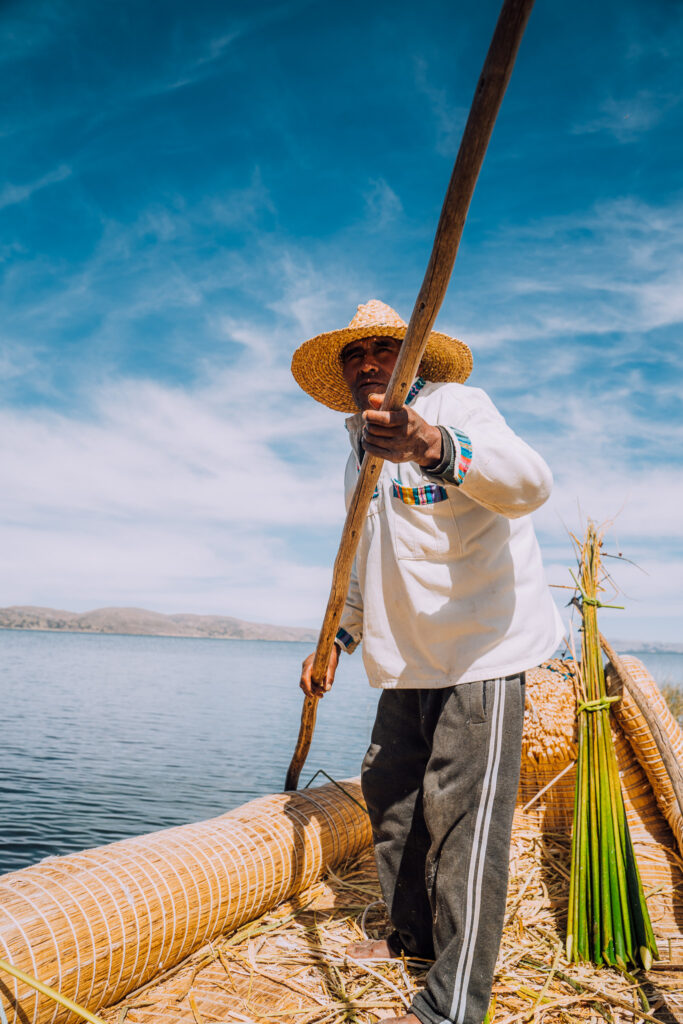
(317, 366)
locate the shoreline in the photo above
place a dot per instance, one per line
(645, 648)
(159, 636)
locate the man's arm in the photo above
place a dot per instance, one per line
(489, 463)
(312, 689)
(350, 632)
(348, 637)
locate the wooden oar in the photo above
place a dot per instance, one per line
(482, 117)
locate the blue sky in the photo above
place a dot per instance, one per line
(189, 190)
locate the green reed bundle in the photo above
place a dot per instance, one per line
(608, 919)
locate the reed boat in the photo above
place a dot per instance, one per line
(246, 917)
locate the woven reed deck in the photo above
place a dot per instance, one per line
(290, 965)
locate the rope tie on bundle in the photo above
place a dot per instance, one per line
(593, 601)
(601, 704)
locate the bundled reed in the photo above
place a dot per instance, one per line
(608, 920)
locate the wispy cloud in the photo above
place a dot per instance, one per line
(614, 270)
(383, 205)
(17, 361)
(170, 489)
(212, 51)
(626, 119)
(449, 117)
(12, 194)
(206, 494)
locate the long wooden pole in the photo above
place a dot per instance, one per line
(486, 103)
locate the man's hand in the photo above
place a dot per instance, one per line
(312, 689)
(400, 436)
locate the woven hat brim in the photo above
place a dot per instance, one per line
(317, 368)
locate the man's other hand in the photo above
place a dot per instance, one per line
(312, 689)
(401, 436)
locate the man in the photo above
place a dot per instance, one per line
(449, 598)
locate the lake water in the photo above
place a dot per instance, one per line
(106, 737)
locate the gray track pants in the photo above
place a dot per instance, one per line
(440, 780)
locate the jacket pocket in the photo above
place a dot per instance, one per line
(424, 531)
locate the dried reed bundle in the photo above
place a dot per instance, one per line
(608, 920)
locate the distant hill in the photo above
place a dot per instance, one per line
(644, 647)
(140, 622)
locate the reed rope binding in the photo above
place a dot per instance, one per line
(488, 97)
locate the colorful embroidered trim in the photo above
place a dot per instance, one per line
(416, 388)
(344, 638)
(428, 494)
(464, 455)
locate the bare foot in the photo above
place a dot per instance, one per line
(409, 1018)
(371, 949)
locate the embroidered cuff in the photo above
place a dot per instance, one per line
(445, 466)
(346, 641)
(462, 457)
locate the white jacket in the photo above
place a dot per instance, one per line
(448, 584)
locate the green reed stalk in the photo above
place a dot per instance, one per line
(608, 920)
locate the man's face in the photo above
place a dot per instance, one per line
(367, 365)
